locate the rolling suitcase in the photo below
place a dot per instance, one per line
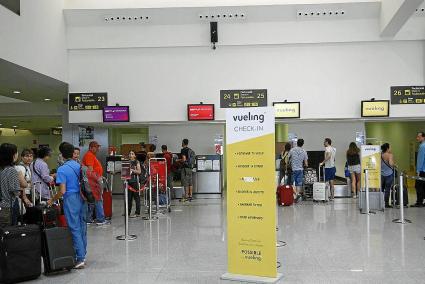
(376, 201)
(285, 195)
(40, 214)
(321, 189)
(20, 253)
(107, 200)
(58, 250)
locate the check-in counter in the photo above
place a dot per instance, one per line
(208, 176)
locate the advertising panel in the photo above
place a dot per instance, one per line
(371, 160)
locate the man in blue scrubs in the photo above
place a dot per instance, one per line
(75, 208)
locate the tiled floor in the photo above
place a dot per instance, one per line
(326, 243)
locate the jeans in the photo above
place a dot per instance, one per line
(387, 183)
(98, 208)
(75, 210)
(298, 177)
(420, 189)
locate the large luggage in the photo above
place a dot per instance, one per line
(20, 253)
(58, 250)
(321, 189)
(107, 199)
(376, 201)
(285, 195)
(41, 214)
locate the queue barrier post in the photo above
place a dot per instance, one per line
(367, 210)
(126, 236)
(401, 220)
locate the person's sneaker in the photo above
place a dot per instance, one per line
(299, 198)
(355, 196)
(80, 265)
(103, 223)
(90, 223)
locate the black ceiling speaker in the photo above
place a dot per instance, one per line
(214, 33)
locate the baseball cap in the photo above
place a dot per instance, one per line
(94, 144)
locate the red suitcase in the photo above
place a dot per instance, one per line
(107, 204)
(285, 195)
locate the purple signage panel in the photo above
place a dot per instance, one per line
(116, 114)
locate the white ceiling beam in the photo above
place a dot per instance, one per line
(395, 13)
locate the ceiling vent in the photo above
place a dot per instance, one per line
(320, 14)
(222, 17)
(126, 19)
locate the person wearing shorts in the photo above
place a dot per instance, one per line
(329, 162)
(186, 172)
(354, 167)
(298, 159)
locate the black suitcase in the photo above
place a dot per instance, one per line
(58, 250)
(20, 253)
(41, 215)
(405, 195)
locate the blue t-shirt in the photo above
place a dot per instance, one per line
(69, 174)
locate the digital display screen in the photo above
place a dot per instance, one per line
(116, 114)
(200, 112)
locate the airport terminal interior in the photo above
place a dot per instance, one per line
(266, 141)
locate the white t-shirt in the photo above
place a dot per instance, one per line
(26, 172)
(331, 162)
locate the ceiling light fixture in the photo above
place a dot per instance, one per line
(14, 126)
(47, 100)
(16, 92)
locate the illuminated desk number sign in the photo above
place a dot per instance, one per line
(287, 109)
(376, 108)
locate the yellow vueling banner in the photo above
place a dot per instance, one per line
(371, 160)
(251, 193)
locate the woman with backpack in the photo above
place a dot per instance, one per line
(285, 166)
(133, 185)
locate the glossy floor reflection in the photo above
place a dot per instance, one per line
(326, 243)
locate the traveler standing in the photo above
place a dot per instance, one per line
(90, 161)
(76, 155)
(285, 166)
(169, 158)
(299, 160)
(329, 162)
(387, 172)
(9, 185)
(41, 173)
(420, 171)
(24, 172)
(188, 158)
(354, 166)
(75, 208)
(133, 192)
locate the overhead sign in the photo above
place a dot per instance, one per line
(287, 109)
(401, 95)
(376, 108)
(251, 193)
(243, 98)
(87, 101)
(200, 112)
(371, 161)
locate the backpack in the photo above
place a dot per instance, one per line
(190, 160)
(85, 187)
(87, 179)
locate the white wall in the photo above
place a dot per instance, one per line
(341, 134)
(201, 136)
(330, 80)
(37, 38)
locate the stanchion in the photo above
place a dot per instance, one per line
(157, 193)
(150, 217)
(401, 202)
(126, 236)
(367, 210)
